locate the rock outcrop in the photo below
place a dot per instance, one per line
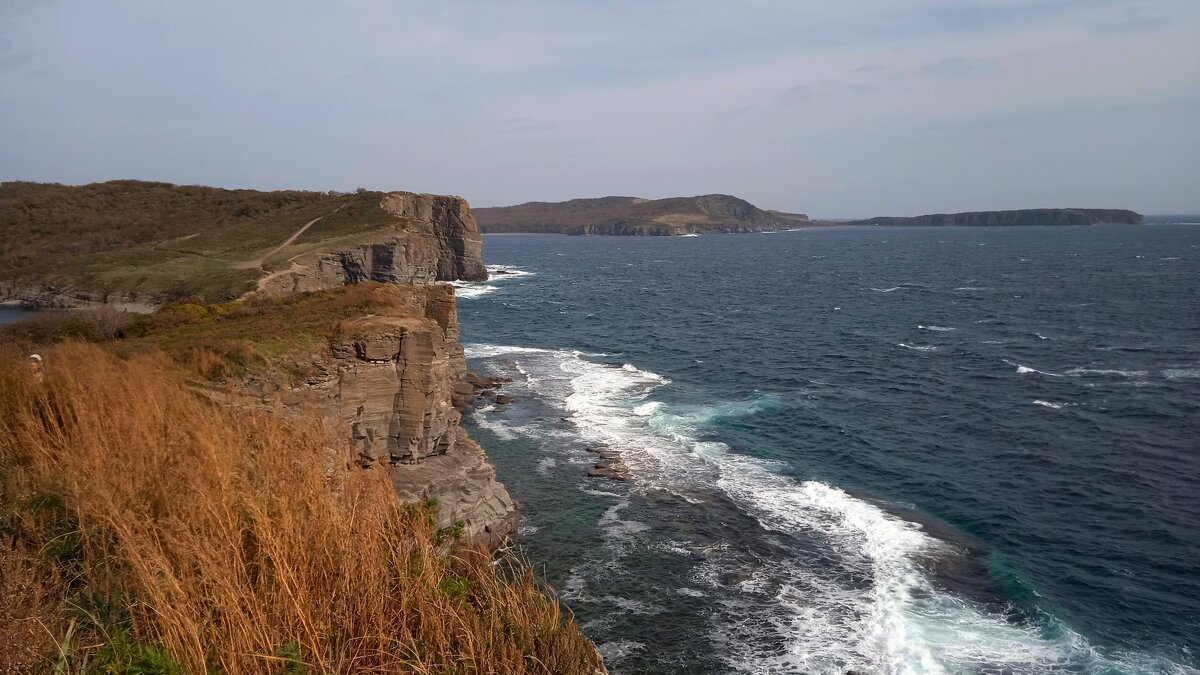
(391, 381)
(1036, 217)
(438, 241)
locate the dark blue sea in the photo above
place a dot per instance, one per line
(927, 450)
(11, 314)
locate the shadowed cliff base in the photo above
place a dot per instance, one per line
(149, 530)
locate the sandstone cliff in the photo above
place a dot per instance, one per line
(637, 217)
(438, 241)
(390, 381)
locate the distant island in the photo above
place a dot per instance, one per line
(637, 216)
(1040, 217)
(725, 213)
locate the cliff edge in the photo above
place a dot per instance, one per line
(143, 245)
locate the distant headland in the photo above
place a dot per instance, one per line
(1036, 217)
(637, 216)
(726, 213)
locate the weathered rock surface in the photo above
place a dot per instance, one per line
(438, 242)
(391, 383)
(611, 465)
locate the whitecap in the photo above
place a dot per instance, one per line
(919, 348)
(1041, 337)
(887, 290)
(1106, 371)
(1181, 373)
(647, 409)
(619, 649)
(939, 329)
(1051, 404)
(471, 291)
(482, 351)
(503, 272)
(500, 429)
(1025, 370)
(872, 608)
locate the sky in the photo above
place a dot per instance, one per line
(847, 108)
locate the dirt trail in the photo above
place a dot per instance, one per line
(258, 263)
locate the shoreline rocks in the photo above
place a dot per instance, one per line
(610, 465)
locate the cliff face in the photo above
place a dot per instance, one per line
(391, 382)
(1027, 217)
(439, 241)
(635, 216)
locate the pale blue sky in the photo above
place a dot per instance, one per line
(846, 108)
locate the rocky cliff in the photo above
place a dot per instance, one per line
(637, 217)
(1037, 217)
(438, 241)
(391, 381)
(143, 245)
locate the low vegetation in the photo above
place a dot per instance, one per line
(215, 341)
(145, 530)
(167, 241)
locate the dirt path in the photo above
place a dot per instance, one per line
(258, 263)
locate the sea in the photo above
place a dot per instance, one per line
(856, 449)
(11, 314)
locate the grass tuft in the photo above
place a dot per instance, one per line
(207, 541)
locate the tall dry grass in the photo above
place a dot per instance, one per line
(239, 543)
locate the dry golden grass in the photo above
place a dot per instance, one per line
(170, 535)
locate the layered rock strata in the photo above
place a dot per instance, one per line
(391, 382)
(439, 241)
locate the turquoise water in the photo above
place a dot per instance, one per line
(857, 449)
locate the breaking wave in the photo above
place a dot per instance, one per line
(866, 601)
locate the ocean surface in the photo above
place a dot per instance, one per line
(11, 314)
(927, 450)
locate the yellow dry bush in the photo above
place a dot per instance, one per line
(238, 543)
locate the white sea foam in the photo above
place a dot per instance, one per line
(470, 291)
(500, 429)
(647, 409)
(870, 606)
(919, 348)
(938, 329)
(1041, 337)
(483, 351)
(690, 234)
(1026, 370)
(1051, 404)
(504, 272)
(887, 290)
(1181, 373)
(619, 649)
(1083, 372)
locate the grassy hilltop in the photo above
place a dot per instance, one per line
(170, 241)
